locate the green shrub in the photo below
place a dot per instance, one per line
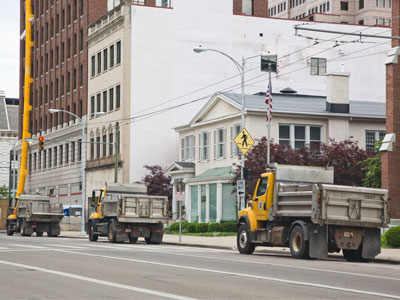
(393, 237)
(175, 226)
(191, 227)
(201, 227)
(229, 227)
(184, 225)
(214, 227)
(167, 230)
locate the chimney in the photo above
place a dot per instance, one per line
(337, 98)
(257, 8)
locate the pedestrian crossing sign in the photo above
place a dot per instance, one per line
(244, 141)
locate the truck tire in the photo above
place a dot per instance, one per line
(354, 255)
(133, 240)
(299, 247)
(9, 231)
(92, 236)
(243, 240)
(23, 229)
(112, 231)
(39, 233)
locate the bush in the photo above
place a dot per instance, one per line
(214, 227)
(191, 227)
(201, 227)
(393, 237)
(229, 227)
(167, 230)
(175, 226)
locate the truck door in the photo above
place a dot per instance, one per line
(263, 197)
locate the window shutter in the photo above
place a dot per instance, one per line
(200, 147)
(208, 145)
(231, 140)
(225, 146)
(215, 144)
(182, 149)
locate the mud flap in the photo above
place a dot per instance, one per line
(371, 244)
(318, 241)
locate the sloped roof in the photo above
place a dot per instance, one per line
(217, 172)
(8, 116)
(295, 103)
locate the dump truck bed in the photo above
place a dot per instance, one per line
(332, 204)
(36, 208)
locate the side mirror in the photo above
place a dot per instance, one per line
(93, 200)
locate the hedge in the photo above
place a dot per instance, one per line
(393, 237)
(202, 227)
(191, 227)
(214, 227)
(229, 227)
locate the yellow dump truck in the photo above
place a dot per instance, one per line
(300, 207)
(124, 212)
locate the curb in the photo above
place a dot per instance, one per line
(265, 251)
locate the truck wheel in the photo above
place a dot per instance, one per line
(243, 240)
(23, 229)
(299, 247)
(39, 233)
(9, 231)
(354, 255)
(133, 240)
(112, 231)
(92, 236)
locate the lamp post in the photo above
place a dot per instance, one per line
(241, 68)
(83, 163)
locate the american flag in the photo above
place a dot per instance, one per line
(268, 101)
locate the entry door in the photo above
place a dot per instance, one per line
(260, 199)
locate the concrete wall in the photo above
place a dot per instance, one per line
(165, 68)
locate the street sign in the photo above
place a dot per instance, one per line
(244, 141)
(240, 188)
(180, 196)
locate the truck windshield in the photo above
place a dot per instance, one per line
(262, 187)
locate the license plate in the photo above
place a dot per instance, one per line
(348, 234)
(128, 230)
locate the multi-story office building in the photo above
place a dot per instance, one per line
(59, 71)
(362, 12)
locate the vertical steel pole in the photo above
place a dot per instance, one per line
(269, 118)
(116, 153)
(242, 198)
(9, 184)
(14, 170)
(180, 220)
(83, 163)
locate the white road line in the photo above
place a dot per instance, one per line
(27, 246)
(66, 246)
(302, 283)
(98, 281)
(2, 248)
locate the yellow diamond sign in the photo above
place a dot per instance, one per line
(244, 141)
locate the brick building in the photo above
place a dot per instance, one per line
(391, 160)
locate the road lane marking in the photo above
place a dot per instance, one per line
(2, 248)
(98, 281)
(27, 246)
(302, 283)
(66, 246)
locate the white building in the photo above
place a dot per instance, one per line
(170, 83)
(207, 152)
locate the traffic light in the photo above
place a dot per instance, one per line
(41, 143)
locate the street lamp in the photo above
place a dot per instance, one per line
(83, 147)
(241, 68)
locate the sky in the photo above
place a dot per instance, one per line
(9, 47)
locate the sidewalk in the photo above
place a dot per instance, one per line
(229, 243)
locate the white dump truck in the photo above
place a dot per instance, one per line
(35, 213)
(300, 207)
(124, 212)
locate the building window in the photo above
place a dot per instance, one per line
(44, 159)
(318, 66)
(66, 153)
(344, 5)
(219, 143)
(111, 145)
(98, 147)
(92, 148)
(93, 66)
(204, 138)
(299, 136)
(118, 96)
(68, 82)
(361, 22)
(234, 132)
(111, 92)
(92, 105)
(105, 57)
(61, 155)
(360, 4)
(118, 52)
(81, 41)
(73, 152)
(188, 148)
(99, 63)
(111, 56)
(68, 48)
(371, 137)
(98, 102)
(105, 101)
(104, 145)
(81, 7)
(75, 45)
(50, 157)
(81, 76)
(74, 80)
(247, 7)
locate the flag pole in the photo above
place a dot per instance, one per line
(269, 112)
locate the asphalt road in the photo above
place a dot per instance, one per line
(66, 268)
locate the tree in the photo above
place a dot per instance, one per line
(3, 192)
(372, 169)
(346, 158)
(158, 184)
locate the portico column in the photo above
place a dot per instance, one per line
(219, 202)
(174, 206)
(188, 202)
(207, 203)
(199, 203)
